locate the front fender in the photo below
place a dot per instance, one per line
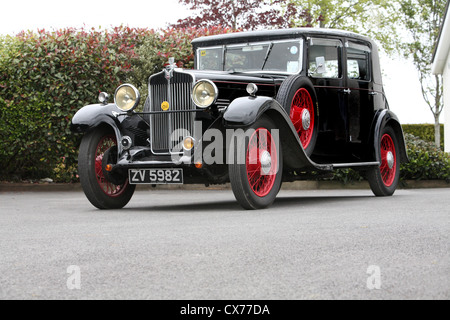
(243, 112)
(93, 115)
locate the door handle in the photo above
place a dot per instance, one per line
(373, 93)
(346, 91)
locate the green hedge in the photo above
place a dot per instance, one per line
(45, 78)
(426, 162)
(424, 132)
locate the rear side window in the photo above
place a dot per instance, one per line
(358, 61)
(325, 58)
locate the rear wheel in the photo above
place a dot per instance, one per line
(256, 179)
(101, 192)
(383, 180)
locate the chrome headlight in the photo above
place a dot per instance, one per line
(204, 93)
(127, 97)
(103, 98)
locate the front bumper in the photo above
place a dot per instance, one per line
(193, 172)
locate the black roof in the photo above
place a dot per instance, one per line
(278, 34)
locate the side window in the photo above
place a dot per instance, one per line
(285, 57)
(358, 61)
(325, 58)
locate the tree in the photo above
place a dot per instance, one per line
(374, 18)
(422, 19)
(239, 14)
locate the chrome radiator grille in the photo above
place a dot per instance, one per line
(170, 124)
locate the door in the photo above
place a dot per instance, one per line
(359, 90)
(325, 70)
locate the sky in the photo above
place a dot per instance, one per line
(400, 79)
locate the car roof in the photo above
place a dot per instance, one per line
(275, 34)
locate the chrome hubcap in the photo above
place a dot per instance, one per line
(266, 162)
(390, 159)
(306, 119)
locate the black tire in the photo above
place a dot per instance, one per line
(383, 180)
(102, 193)
(266, 180)
(301, 89)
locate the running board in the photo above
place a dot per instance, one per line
(355, 164)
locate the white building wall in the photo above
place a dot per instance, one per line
(446, 83)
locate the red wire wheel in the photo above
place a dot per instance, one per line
(388, 160)
(106, 186)
(261, 162)
(384, 179)
(256, 166)
(96, 148)
(302, 116)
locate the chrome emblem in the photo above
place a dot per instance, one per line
(169, 68)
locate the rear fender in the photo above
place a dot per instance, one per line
(382, 119)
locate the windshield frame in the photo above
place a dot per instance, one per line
(269, 44)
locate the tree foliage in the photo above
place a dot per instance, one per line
(422, 20)
(373, 18)
(234, 14)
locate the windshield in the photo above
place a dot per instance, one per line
(276, 56)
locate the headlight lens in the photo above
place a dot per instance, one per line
(127, 97)
(204, 93)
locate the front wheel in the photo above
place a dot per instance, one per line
(383, 180)
(257, 165)
(101, 191)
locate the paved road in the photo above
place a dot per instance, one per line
(339, 244)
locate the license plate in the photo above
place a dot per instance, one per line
(155, 176)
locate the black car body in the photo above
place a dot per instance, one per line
(258, 109)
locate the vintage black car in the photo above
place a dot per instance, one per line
(259, 108)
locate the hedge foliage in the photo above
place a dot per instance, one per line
(424, 131)
(45, 77)
(426, 162)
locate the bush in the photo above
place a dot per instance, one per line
(45, 78)
(424, 132)
(426, 162)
